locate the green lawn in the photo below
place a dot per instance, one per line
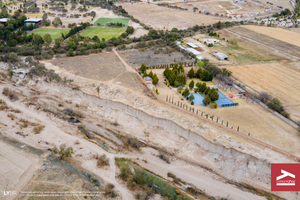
(55, 33)
(106, 33)
(104, 21)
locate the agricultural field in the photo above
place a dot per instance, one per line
(245, 51)
(281, 80)
(16, 167)
(282, 3)
(136, 58)
(224, 7)
(273, 46)
(104, 21)
(105, 66)
(55, 33)
(106, 33)
(160, 17)
(281, 34)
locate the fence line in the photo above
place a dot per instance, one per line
(223, 126)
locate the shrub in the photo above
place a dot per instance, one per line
(125, 172)
(285, 114)
(11, 94)
(133, 142)
(38, 129)
(65, 152)
(102, 161)
(108, 189)
(186, 92)
(163, 155)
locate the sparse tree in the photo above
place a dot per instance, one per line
(48, 39)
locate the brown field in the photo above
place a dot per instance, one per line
(281, 80)
(104, 66)
(282, 3)
(277, 33)
(245, 51)
(166, 18)
(273, 44)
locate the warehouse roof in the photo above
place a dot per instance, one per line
(33, 20)
(192, 45)
(221, 56)
(193, 51)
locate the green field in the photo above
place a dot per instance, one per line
(104, 21)
(106, 33)
(55, 33)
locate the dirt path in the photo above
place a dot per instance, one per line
(295, 57)
(129, 69)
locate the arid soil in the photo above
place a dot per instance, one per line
(269, 41)
(166, 18)
(277, 33)
(245, 51)
(278, 79)
(136, 58)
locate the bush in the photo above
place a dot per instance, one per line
(65, 152)
(163, 155)
(285, 114)
(38, 129)
(186, 92)
(11, 94)
(102, 161)
(133, 142)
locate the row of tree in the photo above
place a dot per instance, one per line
(176, 76)
(201, 73)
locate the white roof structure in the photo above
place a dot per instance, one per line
(147, 78)
(3, 19)
(192, 45)
(211, 41)
(33, 20)
(221, 56)
(181, 47)
(199, 57)
(193, 51)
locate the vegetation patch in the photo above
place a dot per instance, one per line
(55, 33)
(144, 183)
(106, 33)
(107, 21)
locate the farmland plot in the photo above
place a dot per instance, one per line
(278, 79)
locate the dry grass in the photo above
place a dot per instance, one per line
(161, 17)
(278, 79)
(102, 161)
(38, 129)
(11, 116)
(277, 33)
(11, 94)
